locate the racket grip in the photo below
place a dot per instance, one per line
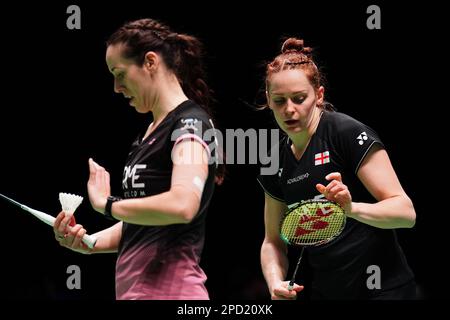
(89, 240)
(290, 286)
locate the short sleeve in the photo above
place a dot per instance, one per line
(194, 129)
(271, 185)
(355, 140)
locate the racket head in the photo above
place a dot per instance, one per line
(312, 222)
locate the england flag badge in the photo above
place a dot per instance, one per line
(322, 158)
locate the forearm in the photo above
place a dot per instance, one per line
(108, 239)
(391, 213)
(174, 206)
(274, 263)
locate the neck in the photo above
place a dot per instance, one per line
(170, 96)
(301, 140)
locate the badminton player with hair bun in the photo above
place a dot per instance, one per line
(330, 155)
(168, 180)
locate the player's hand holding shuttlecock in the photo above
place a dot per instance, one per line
(67, 232)
(70, 237)
(98, 186)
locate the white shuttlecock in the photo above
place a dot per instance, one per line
(69, 202)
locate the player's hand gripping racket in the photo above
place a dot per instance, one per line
(311, 223)
(48, 219)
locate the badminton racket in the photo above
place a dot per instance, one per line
(48, 219)
(311, 223)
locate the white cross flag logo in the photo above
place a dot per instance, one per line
(322, 158)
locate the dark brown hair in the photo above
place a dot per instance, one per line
(181, 53)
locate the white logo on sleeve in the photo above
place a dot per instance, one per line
(189, 123)
(362, 137)
(322, 158)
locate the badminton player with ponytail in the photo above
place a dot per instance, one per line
(329, 156)
(168, 180)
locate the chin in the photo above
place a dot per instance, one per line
(292, 130)
(141, 111)
(136, 107)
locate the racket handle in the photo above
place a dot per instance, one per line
(89, 240)
(50, 220)
(291, 283)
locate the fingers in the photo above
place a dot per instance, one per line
(96, 165)
(101, 175)
(107, 178)
(98, 186)
(97, 174)
(282, 293)
(321, 188)
(298, 288)
(336, 188)
(336, 191)
(326, 191)
(61, 229)
(73, 239)
(75, 236)
(69, 237)
(343, 196)
(57, 225)
(333, 188)
(62, 224)
(58, 220)
(334, 176)
(92, 170)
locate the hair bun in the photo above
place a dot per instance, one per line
(295, 45)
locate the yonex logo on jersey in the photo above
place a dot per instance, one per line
(362, 137)
(322, 158)
(280, 172)
(189, 124)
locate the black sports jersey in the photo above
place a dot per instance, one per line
(162, 262)
(339, 268)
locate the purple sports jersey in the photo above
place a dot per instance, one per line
(162, 262)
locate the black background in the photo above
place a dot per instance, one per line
(58, 109)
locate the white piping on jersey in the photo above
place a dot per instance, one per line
(196, 138)
(363, 156)
(215, 140)
(265, 190)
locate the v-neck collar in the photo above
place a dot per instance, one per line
(289, 141)
(163, 123)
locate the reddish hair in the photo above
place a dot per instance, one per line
(294, 55)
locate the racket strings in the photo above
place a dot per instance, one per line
(313, 223)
